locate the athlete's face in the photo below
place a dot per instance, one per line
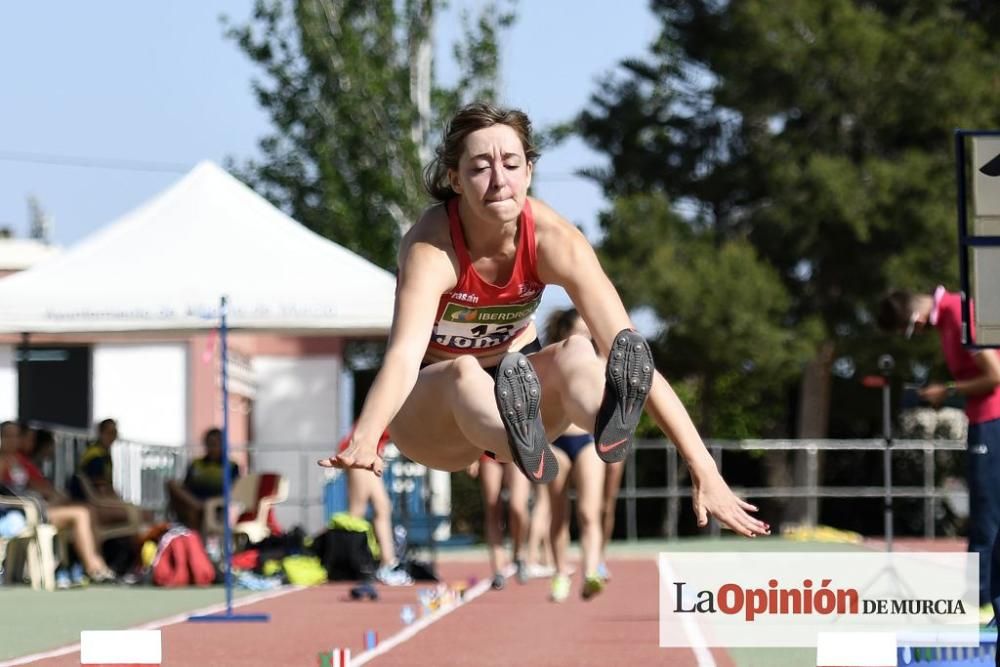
(493, 173)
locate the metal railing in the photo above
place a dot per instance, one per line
(811, 492)
(141, 472)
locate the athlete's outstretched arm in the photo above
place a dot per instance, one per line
(566, 258)
(425, 272)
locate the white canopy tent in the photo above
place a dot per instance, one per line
(206, 252)
(164, 266)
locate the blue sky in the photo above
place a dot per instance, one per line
(157, 82)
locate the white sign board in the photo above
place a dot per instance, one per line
(986, 259)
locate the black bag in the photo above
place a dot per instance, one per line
(277, 547)
(345, 555)
(121, 554)
(420, 570)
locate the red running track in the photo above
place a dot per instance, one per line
(516, 626)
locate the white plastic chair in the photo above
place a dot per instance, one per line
(37, 539)
(245, 495)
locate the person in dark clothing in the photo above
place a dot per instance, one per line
(202, 481)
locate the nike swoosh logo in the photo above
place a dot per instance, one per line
(541, 468)
(604, 449)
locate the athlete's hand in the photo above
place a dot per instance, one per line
(358, 454)
(712, 496)
(934, 394)
(472, 470)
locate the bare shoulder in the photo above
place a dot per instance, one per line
(431, 228)
(548, 222)
(558, 242)
(427, 245)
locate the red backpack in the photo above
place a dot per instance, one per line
(182, 560)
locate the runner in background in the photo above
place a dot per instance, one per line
(579, 464)
(493, 478)
(364, 488)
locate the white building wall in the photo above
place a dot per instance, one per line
(143, 387)
(8, 383)
(297, 408)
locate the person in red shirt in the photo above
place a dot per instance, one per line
(976, 377)
(463, 371)
(19, 476)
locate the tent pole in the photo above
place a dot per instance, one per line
(227, 535)
(24, 379)
(226, 484)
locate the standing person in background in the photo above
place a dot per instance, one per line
(364, 488)
(493, 478)
(579, 462)
(613, 474)
(976, 377)
(538, 562)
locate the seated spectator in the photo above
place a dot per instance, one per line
(202, 481)
(28, 438)
(39, 446)
(22, 477)
(44, 452)
(96, 468)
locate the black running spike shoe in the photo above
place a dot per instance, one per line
(628, 379)
(519, 397)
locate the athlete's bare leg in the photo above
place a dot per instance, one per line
(491, 485)
(364, 487)
(539, 546)
(559, 504)
(519, 489)
(572, 376)
(451, 416)
(612, 483)
(77, 519)
(588, 478)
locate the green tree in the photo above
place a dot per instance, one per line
(348, 87)
(817, 131)
(722, 309)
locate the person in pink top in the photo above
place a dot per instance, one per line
(975, 377)
(463, 372)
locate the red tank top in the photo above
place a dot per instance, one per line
(478, 317)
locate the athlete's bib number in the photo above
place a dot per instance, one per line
(475, 338)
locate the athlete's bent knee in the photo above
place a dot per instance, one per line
(587, 519)
(467, 367)
(576, 347)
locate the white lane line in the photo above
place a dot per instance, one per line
(411, 630)
(163, 622)
(688, 625)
